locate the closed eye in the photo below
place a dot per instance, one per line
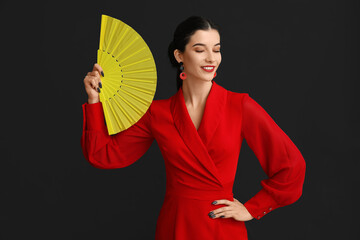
(202, 51)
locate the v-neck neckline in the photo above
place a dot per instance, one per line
(198, 140)
(187, 110)
(213, 112)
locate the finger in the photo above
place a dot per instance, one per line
(224, 214)
(93, 82)
(221, 210)
(98, 68)
(228, 214)
(94, 73)
(223, 201)
(97, 75)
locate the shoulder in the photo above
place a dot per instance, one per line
(159, 103)
(157, 106)
(237, 95)
(236, 98)
(243, 102)
(231, 95)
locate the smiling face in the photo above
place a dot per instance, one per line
(202, 55)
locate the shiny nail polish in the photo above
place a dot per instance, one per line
(100, 84)
(222, 216)
(102, 73)
(214, 202)
(98, 90)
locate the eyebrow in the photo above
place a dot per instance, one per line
(201, 44)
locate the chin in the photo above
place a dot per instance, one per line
(208, 78)
(205, 78)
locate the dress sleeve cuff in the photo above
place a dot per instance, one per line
(94, 116)
(261, 204)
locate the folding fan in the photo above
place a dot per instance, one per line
(129, 82)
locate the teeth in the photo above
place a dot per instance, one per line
(208, 68)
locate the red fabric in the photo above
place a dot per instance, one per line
(201, 164)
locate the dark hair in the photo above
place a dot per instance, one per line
(182, 36)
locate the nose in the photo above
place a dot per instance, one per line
(210, 57)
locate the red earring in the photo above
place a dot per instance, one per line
(183, 76)
(215, 75)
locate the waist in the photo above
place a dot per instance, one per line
(200, 194)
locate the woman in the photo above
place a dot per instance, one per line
(199, 131)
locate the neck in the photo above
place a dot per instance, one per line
(196, 92)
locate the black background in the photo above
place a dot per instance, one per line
(298, 59)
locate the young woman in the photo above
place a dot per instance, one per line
(199, 130)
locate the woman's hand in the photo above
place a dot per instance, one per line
(93, 84)
(235, 210)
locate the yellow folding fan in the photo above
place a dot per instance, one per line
(129, 82)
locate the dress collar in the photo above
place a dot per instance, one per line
(198, 140)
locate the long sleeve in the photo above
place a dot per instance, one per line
(113, 151)
(279, 158)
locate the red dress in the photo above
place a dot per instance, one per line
(201, 164)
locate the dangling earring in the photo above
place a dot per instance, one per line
(182, 74)
(214, 75)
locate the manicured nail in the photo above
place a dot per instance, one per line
(222, 216)
(100, 84)
(102, 73)
(214, 202)
(98, 90)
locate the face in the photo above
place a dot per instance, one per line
(201, 56)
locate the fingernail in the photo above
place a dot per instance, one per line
(222, 216)
(100, 84)
(98, 90)
(214, 202)
(102, 73)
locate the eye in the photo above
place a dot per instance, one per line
(198, 51)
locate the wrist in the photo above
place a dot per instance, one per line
(91, 101)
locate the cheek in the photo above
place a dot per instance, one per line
(219, 59)
(193, 63)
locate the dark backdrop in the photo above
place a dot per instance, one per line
(297, 59)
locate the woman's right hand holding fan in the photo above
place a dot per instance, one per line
(93, 84)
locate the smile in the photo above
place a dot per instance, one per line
(208, 68)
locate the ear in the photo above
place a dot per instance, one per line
(178, 55)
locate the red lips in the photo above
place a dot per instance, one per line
(208, 68)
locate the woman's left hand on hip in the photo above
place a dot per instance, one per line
(234, 209)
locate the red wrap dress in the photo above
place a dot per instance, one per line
(201, 163)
